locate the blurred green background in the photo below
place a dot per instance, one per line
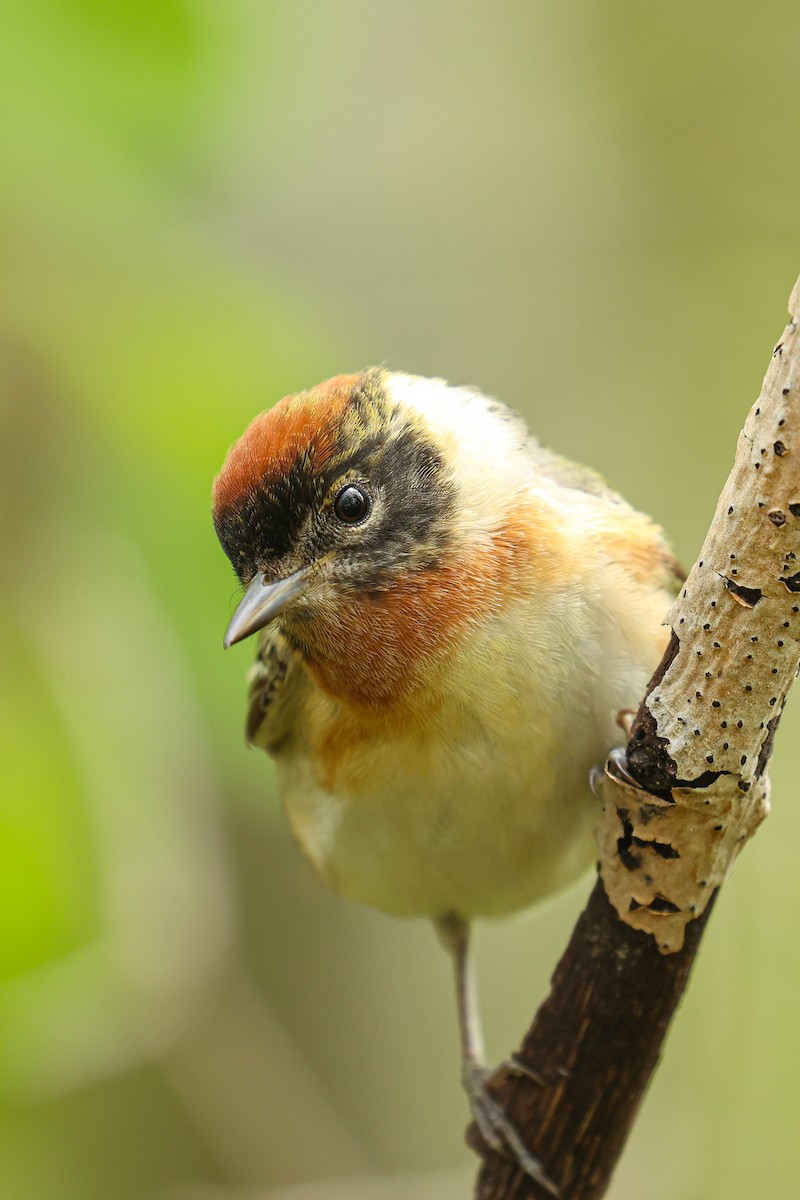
(589, 210)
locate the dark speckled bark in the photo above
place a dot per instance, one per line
(594, 1045)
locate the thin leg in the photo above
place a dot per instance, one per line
(495, 1127)
(454, 933)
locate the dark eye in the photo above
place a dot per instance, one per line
(351, 505)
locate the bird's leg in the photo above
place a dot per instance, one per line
(495, 1127)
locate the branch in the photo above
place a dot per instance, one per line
(678, 804)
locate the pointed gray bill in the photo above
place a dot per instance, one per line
(262, 602)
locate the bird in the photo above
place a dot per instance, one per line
(451, 620)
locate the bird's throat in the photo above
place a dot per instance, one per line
(385, 649)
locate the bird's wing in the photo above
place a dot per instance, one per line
(278, 680)
(645, 548)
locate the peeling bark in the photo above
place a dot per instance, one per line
(694, 775)
(678, 804)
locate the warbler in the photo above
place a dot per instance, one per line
(451, 620)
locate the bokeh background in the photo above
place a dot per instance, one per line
(589, 210)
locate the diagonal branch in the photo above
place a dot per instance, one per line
(678, 804)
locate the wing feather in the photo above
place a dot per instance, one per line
(277, 681)
(644, 546)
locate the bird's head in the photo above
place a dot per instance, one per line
(334, 491)
(373, 506)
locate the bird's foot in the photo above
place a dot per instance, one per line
(494, 1126)
(515, 1066)
(625, 719)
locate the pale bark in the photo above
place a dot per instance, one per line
(678, 804)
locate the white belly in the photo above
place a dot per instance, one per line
(482, 806)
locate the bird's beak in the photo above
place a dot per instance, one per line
(262, 602)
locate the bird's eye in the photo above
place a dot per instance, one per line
(352, 505)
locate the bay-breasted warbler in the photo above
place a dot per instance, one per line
(451, 620)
